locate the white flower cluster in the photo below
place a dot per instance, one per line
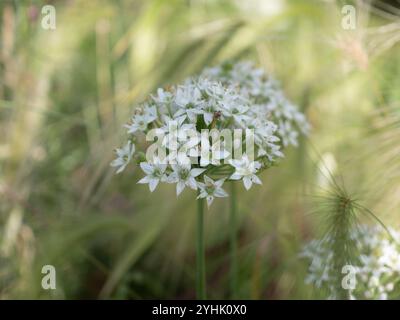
(378, 270)
(183, 121)
(265, 95)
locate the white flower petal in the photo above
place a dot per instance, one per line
(208, 180)
(210, 200)
(122, 168)
(146, 167)
(196, 172)
(145, 179)
(153, 184)
(247, 182)
(235, 176)
(191, 182)
(220, 193)
(256, 179)
(208, 117)
(179, 187)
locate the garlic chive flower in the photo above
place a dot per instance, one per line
(155, 172)
(183, 176)
(124, 156)
(211, 189)
(246, 170)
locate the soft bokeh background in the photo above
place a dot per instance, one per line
(65, 94)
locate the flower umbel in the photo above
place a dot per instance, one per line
(222, 101)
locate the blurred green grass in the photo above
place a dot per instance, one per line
(65, 94)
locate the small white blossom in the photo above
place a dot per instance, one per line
(189, 102)
(140, 122)
(265, 95)
(124, 156)
(211, 189)
(183, 175)
(162, 97)
(155, 172)
(246, 170)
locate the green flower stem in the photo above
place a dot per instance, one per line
(200, 253)
(233, 242)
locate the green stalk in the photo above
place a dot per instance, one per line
(233, 242)
(200, 254)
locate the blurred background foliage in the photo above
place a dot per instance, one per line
(65, 94)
